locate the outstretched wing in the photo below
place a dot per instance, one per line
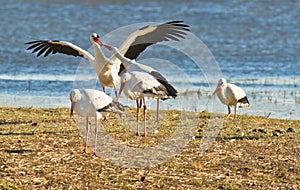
(139, 40)
(47, 47)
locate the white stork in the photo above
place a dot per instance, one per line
(141, 82)
(132, 65)
(141, 86)
(231, 95)
(93, 103)
(108, 69)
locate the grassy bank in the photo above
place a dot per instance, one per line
(43, 149)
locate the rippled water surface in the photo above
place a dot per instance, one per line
(255, 43)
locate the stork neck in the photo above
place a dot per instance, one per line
(123, 59)
(221, 94)
(100, 59)
(99, 56)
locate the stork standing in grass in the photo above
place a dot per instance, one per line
(93, 103)
(108, 69)
(132, 65)
(140, 86)
(231, 95)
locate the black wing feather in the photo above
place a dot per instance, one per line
(44, 48)
(48, 47)
(35, 44)
(173, 30)
(40, 46)
(162, 80)
(114, 106)
(244, 100)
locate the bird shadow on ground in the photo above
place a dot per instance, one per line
(17, 151)
(231, 138)
(16, 134)
(15, 123)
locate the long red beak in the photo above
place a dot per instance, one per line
(120, 91)
(217, 89)
(98, 41)
(106, 46)
(72, 108)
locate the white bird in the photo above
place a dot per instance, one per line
(141, 82)
(141, 86)
(93, 103)
(231, 95)
(108, 69)
(132, 65)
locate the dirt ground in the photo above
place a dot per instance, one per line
(43, 149)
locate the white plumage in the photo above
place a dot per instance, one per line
(137, 85)
(93, 103)
(231, 95)
(141, 86)
(153, 75)
(99, 62)
(141, 82)
(107, 69)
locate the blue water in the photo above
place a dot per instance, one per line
(255, 43)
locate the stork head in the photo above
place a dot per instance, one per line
(221, 83)
(125, 77)
(95, 38)
(75, 96)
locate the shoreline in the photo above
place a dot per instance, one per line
(244, 113)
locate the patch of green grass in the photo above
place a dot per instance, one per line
(6, 185)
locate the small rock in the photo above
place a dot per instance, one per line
(197, 137)
(279, 131)
(34, 124)
(275, 134)
(290, 130)
(261, 131)
(143, 178)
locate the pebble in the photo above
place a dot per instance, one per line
(261, 131)
(279, 131)
(275, 134)
(290, 130)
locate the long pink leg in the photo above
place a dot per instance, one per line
(96, 131)
(229, 112)
(138, 107)
(145, 116)
(104, 90)
(86, 135)
(115, 89)
(157, 109)
(234, 111)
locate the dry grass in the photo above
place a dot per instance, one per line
(42, 149)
